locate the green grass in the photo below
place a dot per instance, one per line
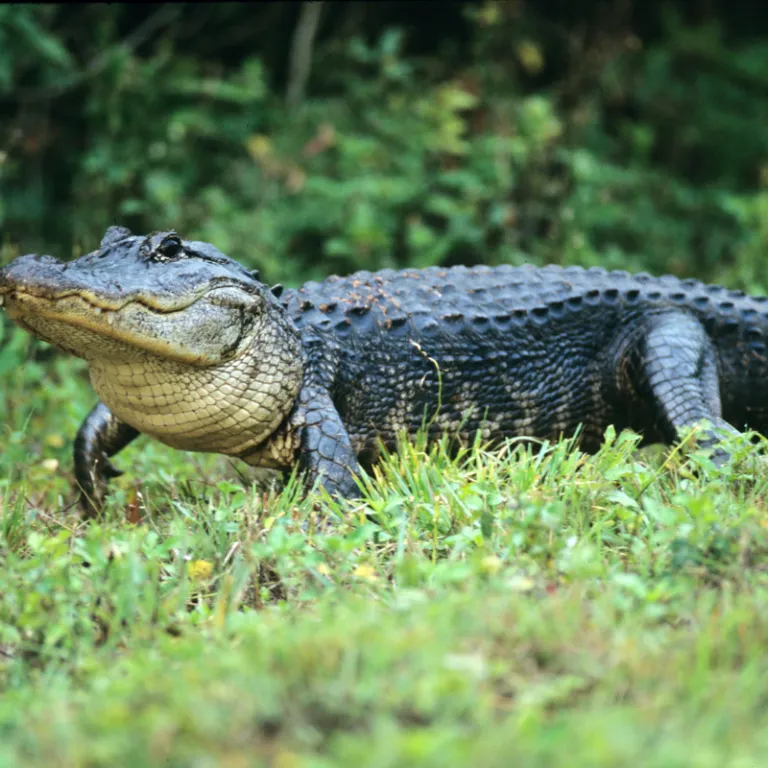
(526, 607)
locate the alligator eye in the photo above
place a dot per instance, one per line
(171, 247)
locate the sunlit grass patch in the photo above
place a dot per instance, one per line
(531, 605)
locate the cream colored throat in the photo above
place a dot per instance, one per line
(226, 409)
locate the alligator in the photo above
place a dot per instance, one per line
(187, 346)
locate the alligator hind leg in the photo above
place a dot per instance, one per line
(675, 368)
(100, 436)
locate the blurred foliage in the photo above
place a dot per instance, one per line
(517, 138)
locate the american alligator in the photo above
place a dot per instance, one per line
(187, 346)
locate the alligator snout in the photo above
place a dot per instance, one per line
(38, 274)
(30, 271)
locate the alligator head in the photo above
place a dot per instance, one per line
(162, 322)
(185, 301)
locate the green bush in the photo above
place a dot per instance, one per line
(634, 156)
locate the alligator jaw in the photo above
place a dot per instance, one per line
(76, 311)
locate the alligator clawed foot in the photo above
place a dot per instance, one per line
(93, 487)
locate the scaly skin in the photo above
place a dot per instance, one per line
(185, 345)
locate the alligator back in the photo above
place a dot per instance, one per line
(514, 350)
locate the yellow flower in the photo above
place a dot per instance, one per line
(54, 440)
(490, 565)
(199, 570)
(365, 572)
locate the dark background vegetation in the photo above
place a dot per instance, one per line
(630, 134)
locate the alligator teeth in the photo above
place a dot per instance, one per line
(110, 318)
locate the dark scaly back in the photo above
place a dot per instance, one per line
(558, 320)
(488, 294)
(434, 296)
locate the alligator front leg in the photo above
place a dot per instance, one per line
(100, 436)
(325, 450)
